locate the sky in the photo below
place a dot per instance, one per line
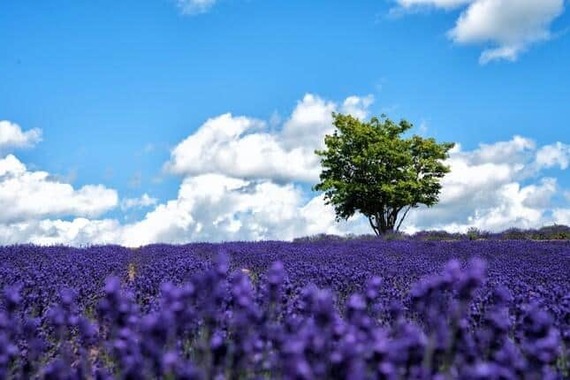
(135, 122)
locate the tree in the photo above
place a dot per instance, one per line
(370, 168)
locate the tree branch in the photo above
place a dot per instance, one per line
(374, 227)
(403, 217)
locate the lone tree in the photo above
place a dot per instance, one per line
(368, 167)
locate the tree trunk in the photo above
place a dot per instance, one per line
(383, 223)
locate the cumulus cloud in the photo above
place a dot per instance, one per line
(515, 206)
(552, 155)
(32, 204)
(77, 232)
(309, 122)
(211, 206)
(242, 147)
(506, 27)
(12, 136)
(495, 187)
(515, 150)
(215, 207)
(191, 7)
(561, 216)
(26, 195)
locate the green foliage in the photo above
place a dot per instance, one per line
(553, 232)
(473, 233)
(438, 235)
(368, 167)
(515, 234)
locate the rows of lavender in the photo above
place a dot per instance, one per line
(327, 309)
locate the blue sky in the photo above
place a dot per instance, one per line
(165, 120)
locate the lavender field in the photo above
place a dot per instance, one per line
(410, 309)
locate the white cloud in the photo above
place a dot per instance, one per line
(242, 147)
(310, 121)
(319, 218)
(445, 4)
(143, 201)
(515, 206)
(484, 168)
(191, 7)
(78, 232)
(561, 216)
(514, 150)
(552, 155)
(357, 106)
(506, 27)
(485, 189)
(215, 207)
(12, 136)
(510, 25)
(26, 195)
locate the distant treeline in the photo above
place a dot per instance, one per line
(553, 232)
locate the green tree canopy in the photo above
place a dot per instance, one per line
(368, 167)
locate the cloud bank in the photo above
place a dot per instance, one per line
(506, 28)
(247, 179)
